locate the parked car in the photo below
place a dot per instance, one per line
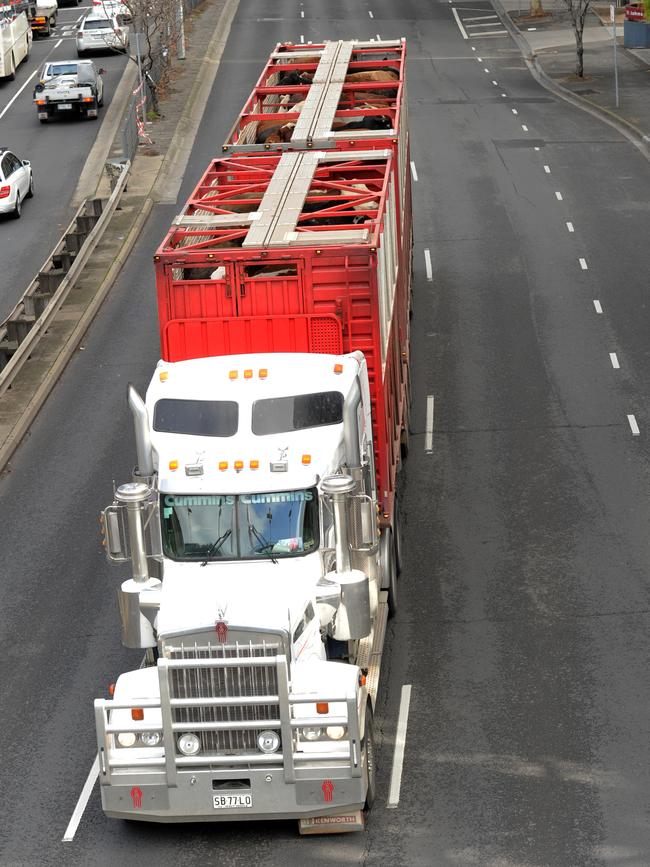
(16, 182)
(100, 32)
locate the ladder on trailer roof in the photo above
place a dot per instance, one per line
(283, 201)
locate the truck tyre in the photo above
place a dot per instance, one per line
(397, 536)
(369, 759)
(389, 569)
(12, 69)
(43, 119)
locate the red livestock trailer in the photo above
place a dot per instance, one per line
(298, 252)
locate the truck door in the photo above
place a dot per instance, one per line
(269, 288)
(201, 292)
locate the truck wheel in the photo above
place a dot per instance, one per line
(369, 759)
(43, 119)
(397, 535)
(388, 569)
(12, 69)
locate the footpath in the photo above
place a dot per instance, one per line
(548, 45)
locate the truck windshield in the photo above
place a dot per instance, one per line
(239, 527)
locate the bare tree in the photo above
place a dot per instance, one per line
(578, 11)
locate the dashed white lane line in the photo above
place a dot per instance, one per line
(378, 37)
(486, 70)
(547, 169)
(73, 824)
(302, 13)
(370, 13)
(570, 227)
(495, 83)
(473, 48)
(504, 94)
(414, 171)
(598, 306)
(427, 265)
(558, 195)
(524, 127)
(428, 431)
(58, 43)
(614, 359)
(479, 60)
(302, 38)
(536, 148)
(463, 32)
(514, 111)
(400, 742)
(633, 425)
(16, 95)
(531, 28)
(583, 263)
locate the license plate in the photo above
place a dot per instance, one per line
(231, 800)
(63, 105)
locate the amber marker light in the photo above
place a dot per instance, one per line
(306, 459)
(223, 465)
(322, 707)
(338, 368)
(233, 374)
(137, 714)
(111, 689)
(164, 375)
(239, 466)
(248, 374)
(254, 465)
(263, 373)
(173, 465)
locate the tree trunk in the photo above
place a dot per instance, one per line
(536, 9)
(579, 52)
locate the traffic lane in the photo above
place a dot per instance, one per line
(57, 151)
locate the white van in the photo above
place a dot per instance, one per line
(15, 39)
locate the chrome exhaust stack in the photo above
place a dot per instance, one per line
(352, 618)
(144, 449)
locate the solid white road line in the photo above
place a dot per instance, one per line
(597, 305)
(583, 264)
(558, 196)
(614, 359)
(414, 171)
(463, 32)
(400, 741)
(633, 425)
(427, 265)
(73, 824)
(58, 43)
(17, 94)
(428, 433)
(547, 169)
(570, 227)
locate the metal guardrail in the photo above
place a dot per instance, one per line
(28, 321)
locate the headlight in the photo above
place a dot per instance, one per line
(268, 742)
(150, 739)
(335, 733)
(126, 739)
(189, 744)
(311, 734)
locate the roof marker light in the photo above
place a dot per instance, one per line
(239, 466)
(173, 465)
(306, 459)
(263, 373)
(233, 374)
(254, 465)
(223, 465)
(338, 368)
(248, 374)
(164, 374)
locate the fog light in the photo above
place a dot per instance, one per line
(311, 734)
(189, 744)
(335, 733)
(150, 739)
(268, 742)
(126, 739)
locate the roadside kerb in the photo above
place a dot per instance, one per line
(26, 346)
(625, 127)
(20, 406)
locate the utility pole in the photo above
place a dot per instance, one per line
(612, 18)
(180, 31)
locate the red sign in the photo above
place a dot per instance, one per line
(328, 790)
(136, 797)
(221, 628)
(634, 13)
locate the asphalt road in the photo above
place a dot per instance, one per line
(523, 626)
(57, 150)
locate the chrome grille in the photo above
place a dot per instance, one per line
(242, 680)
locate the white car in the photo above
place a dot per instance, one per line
(16, 182)
(108, 8)
(100, 32)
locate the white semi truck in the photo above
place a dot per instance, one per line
(258, 569)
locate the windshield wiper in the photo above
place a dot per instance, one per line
(266, 547)
(216, 546)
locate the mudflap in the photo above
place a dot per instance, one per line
(332, 824)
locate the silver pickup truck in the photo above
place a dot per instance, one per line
(68, 87)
